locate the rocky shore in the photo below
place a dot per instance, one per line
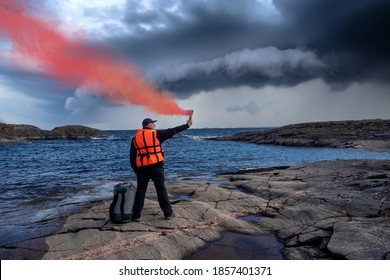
(364, 134)
(11, 133)
(324, 210)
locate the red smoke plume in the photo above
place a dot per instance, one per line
(64, 59)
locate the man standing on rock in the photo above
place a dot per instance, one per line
(147, 161)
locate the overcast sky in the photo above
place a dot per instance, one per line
(247, 63)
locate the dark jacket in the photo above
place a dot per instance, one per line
(162, 135)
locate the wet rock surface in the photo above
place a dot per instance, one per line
(237, 246)
(364, 134)
(325, 210)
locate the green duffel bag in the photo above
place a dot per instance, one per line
(122, 205)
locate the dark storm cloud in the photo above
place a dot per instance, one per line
(348, 39)
(35, 83)
(350, 35)
(198, 31)
(256, 68)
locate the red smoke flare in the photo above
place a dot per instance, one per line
(64, 59)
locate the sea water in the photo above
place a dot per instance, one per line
(43, 181)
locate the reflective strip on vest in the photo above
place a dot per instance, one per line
(148, 147)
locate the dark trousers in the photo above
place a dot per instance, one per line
(156, 174)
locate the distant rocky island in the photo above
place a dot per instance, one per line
(11, 133)
(363, 134)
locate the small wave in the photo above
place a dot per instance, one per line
(72, 202)
(110, 138)
(116, 138)
(198, 137)
(46, 214)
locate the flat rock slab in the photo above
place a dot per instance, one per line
(325, 210)
(207, 211)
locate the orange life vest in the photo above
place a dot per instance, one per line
(148, 147)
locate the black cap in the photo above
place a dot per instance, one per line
(147, 121)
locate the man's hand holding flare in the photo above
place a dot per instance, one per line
(189, 122)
